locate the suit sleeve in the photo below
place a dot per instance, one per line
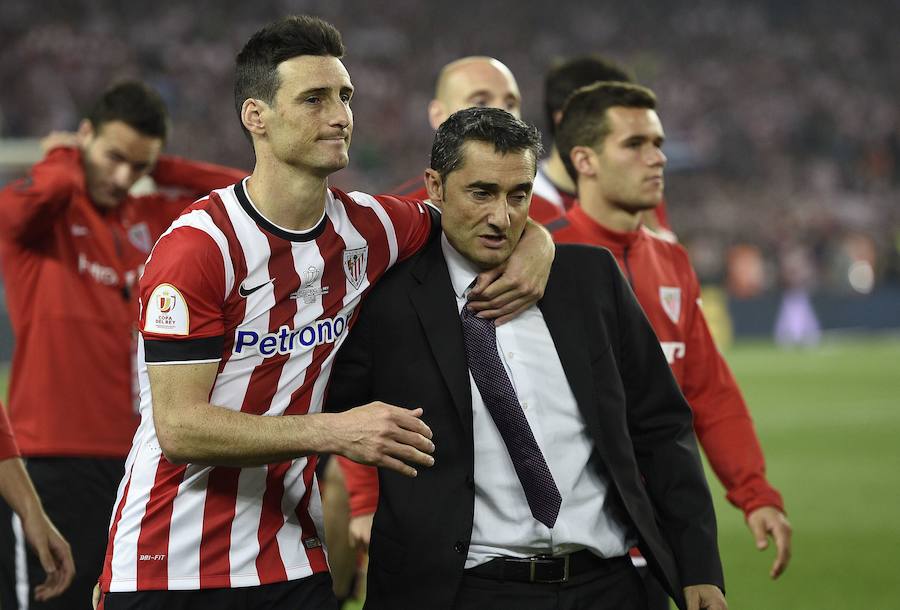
(183, 290)
(721, 419)
(350, 386)
(30, 206)
(8, 447)
(660, 424)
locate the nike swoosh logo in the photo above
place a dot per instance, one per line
(244, 292)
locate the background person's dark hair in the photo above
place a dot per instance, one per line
(585, 122)
(498, 127)
(136, 105)
(256, 73)
(566, 76)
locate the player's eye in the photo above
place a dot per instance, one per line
(313, 99)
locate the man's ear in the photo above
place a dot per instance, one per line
(251, 116)
(435, 187)
(85, 133)
(437, 114)
(584, 160)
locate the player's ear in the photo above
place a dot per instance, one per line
(583, 159)
(435, 187)
(251, 116)
(437, 114)
(85, 132)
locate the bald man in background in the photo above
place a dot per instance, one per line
(465, 83)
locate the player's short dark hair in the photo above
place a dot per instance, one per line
(256, 71)
(135, 104)
(565, 76)
(498, 127)
(585, 121)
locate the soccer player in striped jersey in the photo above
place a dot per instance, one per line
(244, 302)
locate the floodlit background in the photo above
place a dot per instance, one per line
(783, 127)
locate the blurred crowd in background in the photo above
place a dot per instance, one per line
(782, 118)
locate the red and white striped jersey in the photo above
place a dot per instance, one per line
(272, 306)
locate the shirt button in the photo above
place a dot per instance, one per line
(525, 406)
(510, 355)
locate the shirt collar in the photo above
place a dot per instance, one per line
(463, 272)
(614, 240)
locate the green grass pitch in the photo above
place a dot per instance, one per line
(829, 422)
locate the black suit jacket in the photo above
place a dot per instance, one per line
(407, 349)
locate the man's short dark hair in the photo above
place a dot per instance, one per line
(492, 125)
(136, 105)
(566, 76)
(585, 121)
(256, 73)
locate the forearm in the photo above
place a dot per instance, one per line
(17, 489)
(196, 177)
(202, 433)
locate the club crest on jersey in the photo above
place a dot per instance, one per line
(167, 312)
(355, 265)
(670, 296)
(310, 290)
(139, 236)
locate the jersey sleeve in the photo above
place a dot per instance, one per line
(362, 486)
(8, 447)
(721, 418)
(183, 291)
(29, 206)
(413, 220)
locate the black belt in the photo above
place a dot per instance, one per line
(545, 568)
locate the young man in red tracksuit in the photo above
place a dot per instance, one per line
(610, 139)
(72, 244)
(552, 182)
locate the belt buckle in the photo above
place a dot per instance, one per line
(532, 575)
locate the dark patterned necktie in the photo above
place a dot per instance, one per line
(503, 405)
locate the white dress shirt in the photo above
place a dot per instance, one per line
(503, 523)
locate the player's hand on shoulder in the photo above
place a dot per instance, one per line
(383, 435)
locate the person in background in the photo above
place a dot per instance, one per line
(73, 242)
(610, 139)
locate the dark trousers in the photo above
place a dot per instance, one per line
(657, 598)
(616, 587)
(78, 495)
(312, 593)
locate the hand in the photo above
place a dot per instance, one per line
(506, 291)
(58, 139)
(361, 531)
(769, 521)
(53, 552)
(383, 435)
(704, 596)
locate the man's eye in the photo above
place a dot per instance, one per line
(480, 194)
(345, 97)
(312, 100)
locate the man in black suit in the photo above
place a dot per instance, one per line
(561, 437)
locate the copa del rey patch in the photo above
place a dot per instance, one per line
(167, 312)
(670, 296)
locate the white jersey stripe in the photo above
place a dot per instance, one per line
(290, 535)
(187, 526)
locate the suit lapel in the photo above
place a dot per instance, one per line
(435, 304)
(560, 309)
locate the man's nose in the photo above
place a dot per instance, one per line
(499, 214)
